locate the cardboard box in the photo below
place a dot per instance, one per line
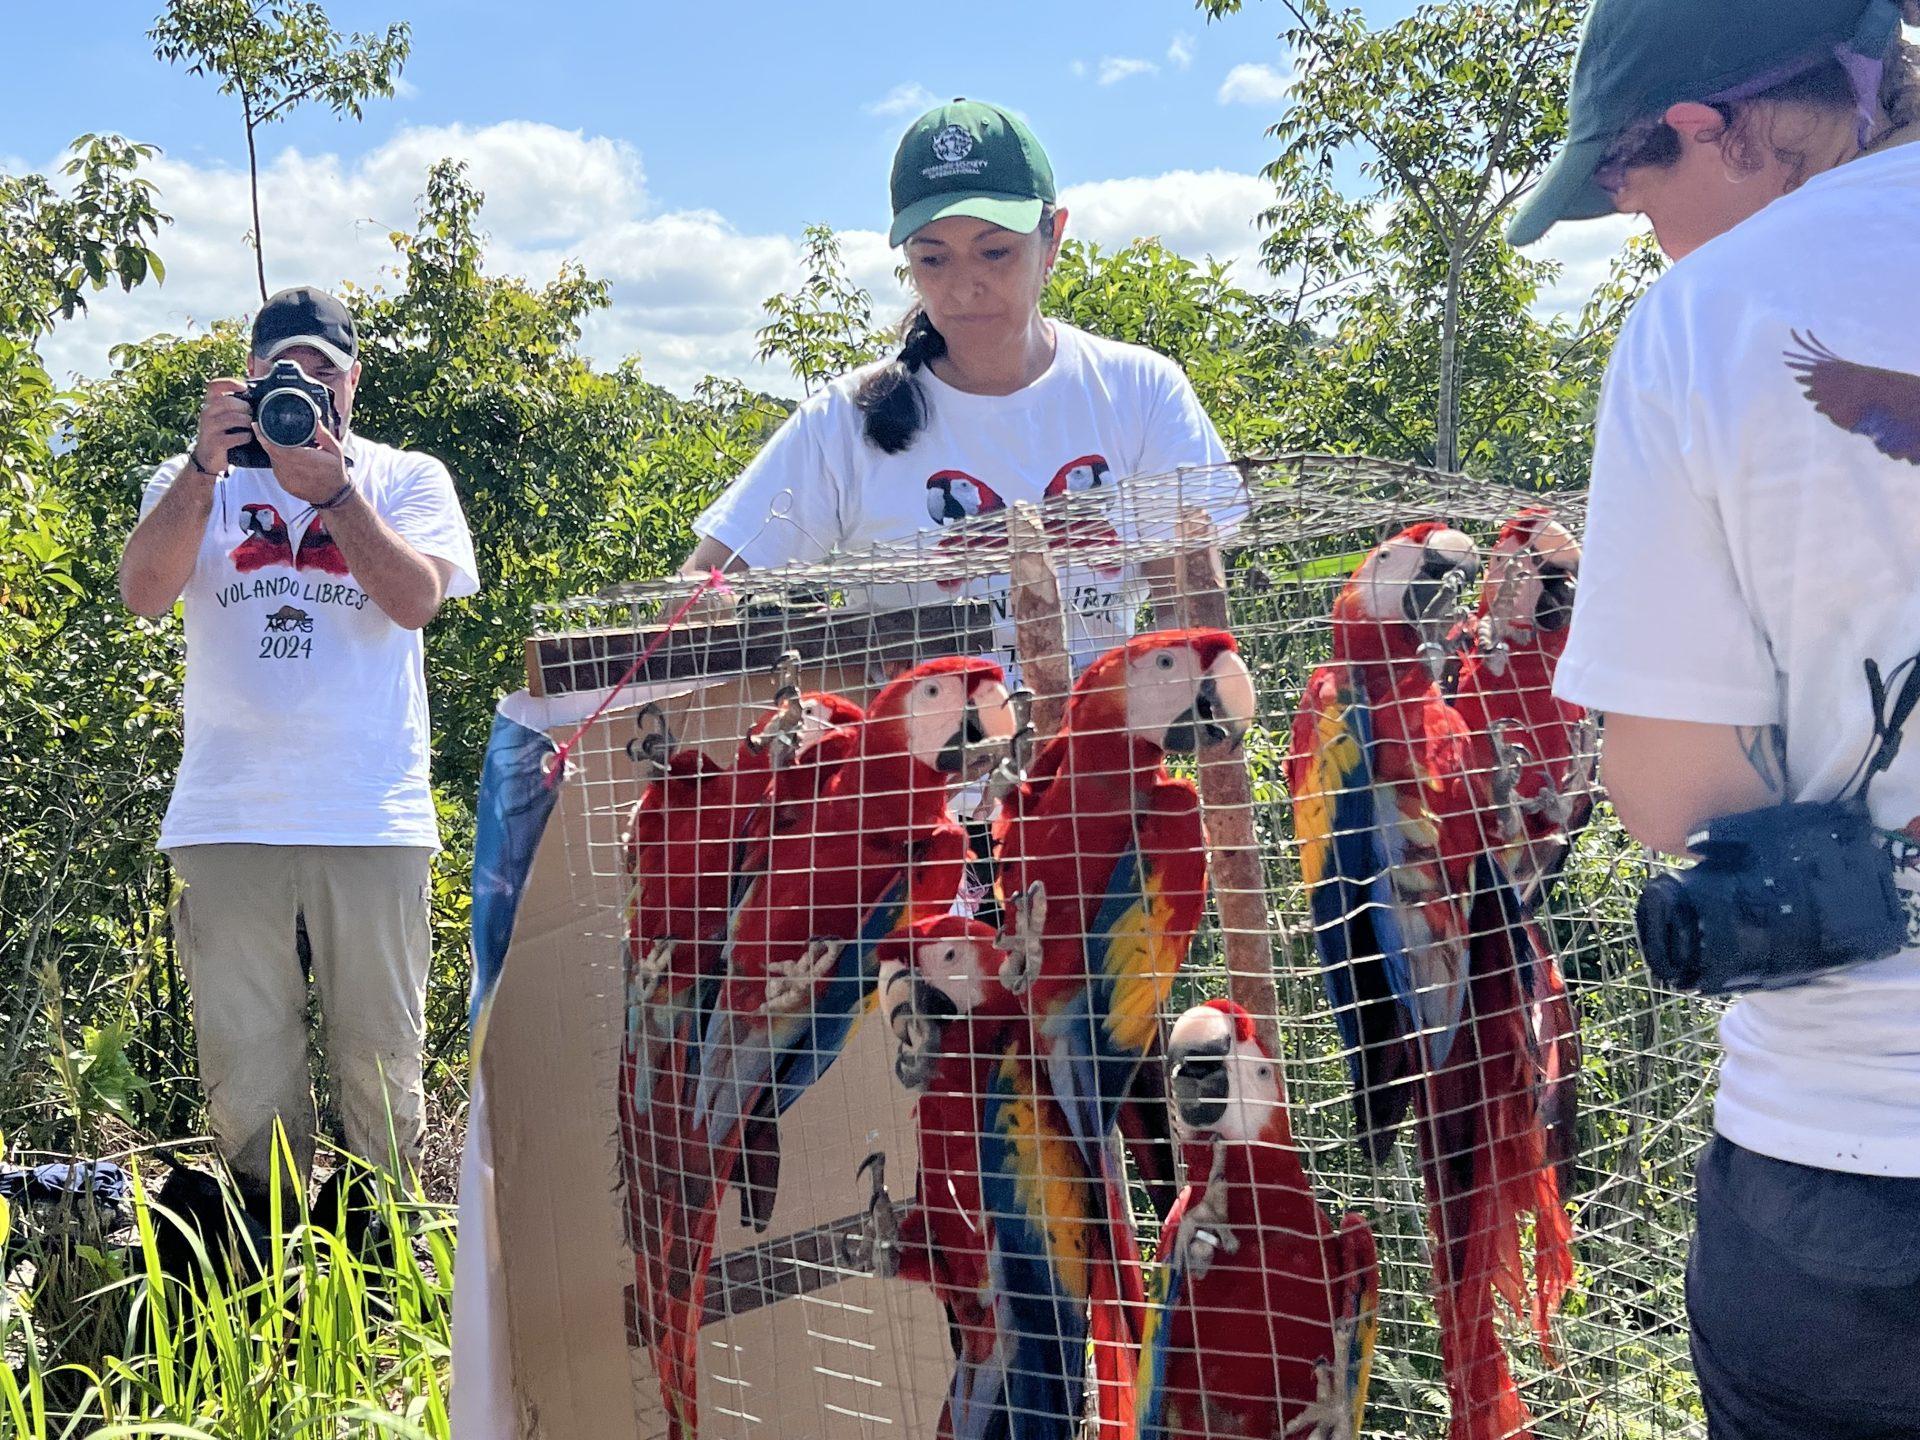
(851, 1355)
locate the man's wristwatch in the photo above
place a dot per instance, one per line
(193, 459)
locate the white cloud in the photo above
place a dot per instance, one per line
(1180, 51)
(686, 284)
(1078, 68)
(1248, 84)
(1115, 68)
(1196, 213)
(909, 97)
(1585, 250)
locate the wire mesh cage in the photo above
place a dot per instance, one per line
(908, 870)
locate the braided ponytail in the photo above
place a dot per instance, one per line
(889, 397)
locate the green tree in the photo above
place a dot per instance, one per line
(825, 327)
(1230, 341)
(1448, 116)
(275, 55)
(571, 477)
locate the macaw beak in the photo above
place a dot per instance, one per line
(1197, 1075)
(1222, 710)
(1436, 599)
(986, 730)
(1555, 610)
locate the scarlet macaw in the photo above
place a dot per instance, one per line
(1269, 1324)
(1538, 751)
(1539, 754)
(947, 974)
(1379, 760)
(873, 852)
(1430, 958)
(680, 854)
(1111, 849)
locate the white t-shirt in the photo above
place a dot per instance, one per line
(1754, 538)
(1101, 413)
(306, 707)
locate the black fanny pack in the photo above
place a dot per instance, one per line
(1785, 894)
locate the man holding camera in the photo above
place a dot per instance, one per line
(1749, 620)
(301, 825)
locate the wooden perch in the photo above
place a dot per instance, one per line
(753, 642)
(1226, 797)
(1039, 623)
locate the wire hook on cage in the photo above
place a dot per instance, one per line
(1010, 772)
(653, 743)
(783, 733)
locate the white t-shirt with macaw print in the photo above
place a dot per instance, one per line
(306, 707)
(1103, 413)
(1754, 540)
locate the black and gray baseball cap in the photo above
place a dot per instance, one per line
(1638, 57)
(305, 316)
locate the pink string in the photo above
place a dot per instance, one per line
(557, 762)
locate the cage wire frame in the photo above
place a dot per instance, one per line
(1286, 533)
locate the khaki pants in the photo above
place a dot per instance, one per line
(365, 908)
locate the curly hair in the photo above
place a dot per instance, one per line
(1753, 129)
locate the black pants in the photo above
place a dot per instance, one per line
(1803, 1291)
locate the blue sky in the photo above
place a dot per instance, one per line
(676, 149)
(752, 108)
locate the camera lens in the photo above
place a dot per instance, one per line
(288, 418)
(1669, 928)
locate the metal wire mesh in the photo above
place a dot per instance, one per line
(1290, 533)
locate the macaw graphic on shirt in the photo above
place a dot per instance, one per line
(953, 496)
(1087, 475)
(1879, 405)
(1903, 845)
(265, 540)
(318, 552)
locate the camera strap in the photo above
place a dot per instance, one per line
(1888, 722)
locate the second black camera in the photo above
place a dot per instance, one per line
(1780, 896)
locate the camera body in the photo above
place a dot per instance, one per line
(1780, 895)
(289, 406)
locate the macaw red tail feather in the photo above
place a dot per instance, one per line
(672, 1205)
(1116, 1317)
(1487, 1160)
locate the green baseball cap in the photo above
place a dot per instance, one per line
(969, 158)
(1638, 57)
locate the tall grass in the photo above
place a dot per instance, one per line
(101, 1343)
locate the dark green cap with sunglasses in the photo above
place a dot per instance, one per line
(1638, 57)
(969, 158)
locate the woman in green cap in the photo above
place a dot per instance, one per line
(987, 401)
(1749, 620)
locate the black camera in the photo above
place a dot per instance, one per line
(289, 407)
(1780, 896)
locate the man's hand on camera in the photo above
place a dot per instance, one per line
(226, 421)
(313, 473)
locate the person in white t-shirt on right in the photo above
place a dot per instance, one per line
(1753, 542)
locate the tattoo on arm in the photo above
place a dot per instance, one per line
(1765, 747)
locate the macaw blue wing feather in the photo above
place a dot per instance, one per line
(1164, 1284)
(841, 999)
(1347, 848)
(1033, 1204)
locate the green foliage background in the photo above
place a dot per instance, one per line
(1394, 321)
